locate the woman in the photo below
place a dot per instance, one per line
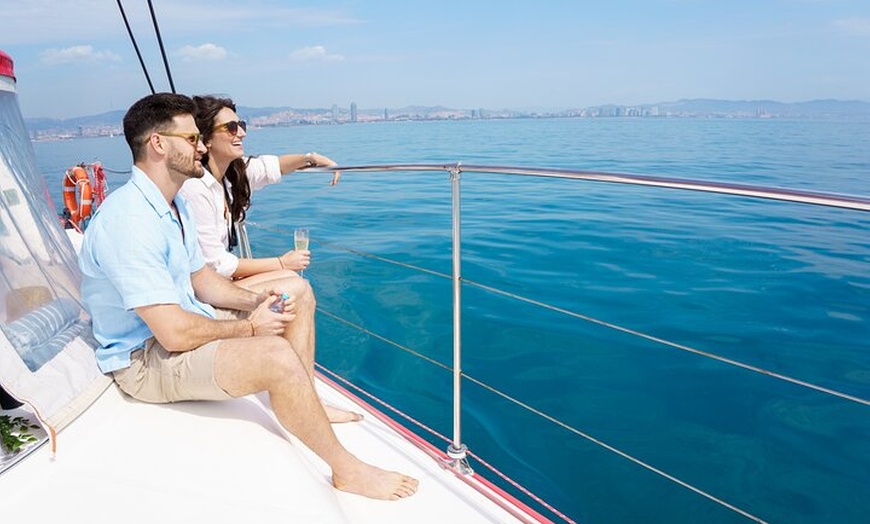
(222, 196)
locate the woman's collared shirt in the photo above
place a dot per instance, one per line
(208, 203)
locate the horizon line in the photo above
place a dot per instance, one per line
(522, 108)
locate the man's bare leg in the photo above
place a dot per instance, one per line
(300, 332)
(250, 365)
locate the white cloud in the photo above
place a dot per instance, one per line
(209, 52)
(316, 53)
(853, 26)
(79, 53)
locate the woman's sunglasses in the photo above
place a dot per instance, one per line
(233, 126)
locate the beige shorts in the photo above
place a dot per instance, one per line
(159, 376)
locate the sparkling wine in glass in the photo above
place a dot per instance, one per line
(300, 240)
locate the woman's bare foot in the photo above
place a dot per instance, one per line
(337, 416)
(376, 483)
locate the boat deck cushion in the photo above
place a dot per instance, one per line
(41, 334)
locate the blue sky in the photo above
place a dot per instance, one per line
(74, 58)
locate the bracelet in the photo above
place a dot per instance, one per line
(251, 322)
(309, 160)
(281, 263)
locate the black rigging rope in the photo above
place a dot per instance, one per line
(162, 50)
(136, 46)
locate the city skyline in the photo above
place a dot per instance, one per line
(74, 60)
(109, 124)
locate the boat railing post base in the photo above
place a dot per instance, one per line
(459, 459)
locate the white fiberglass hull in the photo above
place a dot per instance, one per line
(124, 460)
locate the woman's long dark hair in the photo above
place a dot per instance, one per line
(207, 108)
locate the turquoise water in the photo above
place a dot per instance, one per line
(779, 286)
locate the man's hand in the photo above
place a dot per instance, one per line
(265, 321)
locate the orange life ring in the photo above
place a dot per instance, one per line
(80, 208)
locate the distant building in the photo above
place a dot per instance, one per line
(334, 113)
(386, 114)
(353, 111)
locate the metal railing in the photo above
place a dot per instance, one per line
(457, 451)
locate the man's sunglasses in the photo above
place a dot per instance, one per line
(192, 138)
(233, 126)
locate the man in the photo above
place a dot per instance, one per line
(150, 295)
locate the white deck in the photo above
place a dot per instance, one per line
(126, 461)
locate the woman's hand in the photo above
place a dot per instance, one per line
(296, 260)
(318, 160)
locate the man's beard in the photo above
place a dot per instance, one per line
(184, 165)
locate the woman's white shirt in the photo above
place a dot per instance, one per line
(206, 198)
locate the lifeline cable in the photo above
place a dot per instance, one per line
(606, 324)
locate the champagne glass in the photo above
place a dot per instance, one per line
(300, 241)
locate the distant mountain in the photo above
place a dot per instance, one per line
(809, 109)
(110, 119)
(257, 112)
(421, 109)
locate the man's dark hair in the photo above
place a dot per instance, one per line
(153, 113)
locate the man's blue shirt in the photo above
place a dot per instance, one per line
(136, 253)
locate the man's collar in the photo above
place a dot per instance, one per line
(150, 191)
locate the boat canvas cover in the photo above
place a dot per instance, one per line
(46, 343)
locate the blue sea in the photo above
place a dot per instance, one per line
(779, 286)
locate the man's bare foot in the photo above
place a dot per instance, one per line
(337, 416)
(376, 483)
